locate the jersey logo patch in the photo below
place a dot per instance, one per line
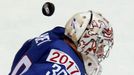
(62, 58)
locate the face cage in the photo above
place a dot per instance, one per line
(107, 48)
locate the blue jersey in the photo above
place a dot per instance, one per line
(47, 54)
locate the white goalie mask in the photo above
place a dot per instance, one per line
(93, 36)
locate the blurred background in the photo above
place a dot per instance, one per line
(21, 20)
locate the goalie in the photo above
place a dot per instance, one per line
(76, 49)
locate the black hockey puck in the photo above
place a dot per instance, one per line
(48, 9)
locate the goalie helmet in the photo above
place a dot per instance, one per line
(93, 36)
